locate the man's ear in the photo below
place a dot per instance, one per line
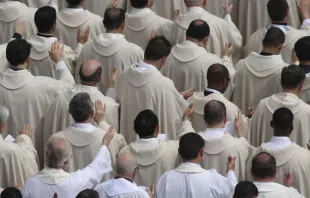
(123, 25)
(92, 114)
(1, 127)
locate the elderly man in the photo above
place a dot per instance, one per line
(18, 158)
(122, 185)
(54, 178)
(58, 117)
(264, 172)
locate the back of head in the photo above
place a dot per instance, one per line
(245, 189)
(88, 193)
(190, 3)
(302, 49)
(217, 74)
(4, 114)
(292, 77)
(274, 37)
(214, 113)
(74, 2)
(145, 123)
(45, 19)
(190, 145)
(277, 9)
(138, 3)
(158, 47)
(17, 52)
(263, 166)
(198, 30)
(81, 107)
(282, 122)
(113, 18)
(11, 192)
(126, 163)
(90, 72)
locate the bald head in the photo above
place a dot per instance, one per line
(214, 113)
(198, 30)
(126, 163)
(264, 166)
(90, 72)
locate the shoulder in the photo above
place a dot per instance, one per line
(132, 48)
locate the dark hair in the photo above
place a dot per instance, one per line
(138, 3)
(157, 48)
(302, 49)
(94, 77)
(88, 193)
(245, 189)
(264, 166)
(198, 29)
(74, 2)
(277, 9)
(216, 74)
(17, 52)
(214, 112)
(274, 37)
(189, 146)
(80, 107)
(145, 123)
(113, 18)
(45, 18)
(292, 77)
(11, 192)
(282, 121)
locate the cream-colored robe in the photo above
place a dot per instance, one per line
(221, 32)
(257, 77)
(260, 129)
(68, 22)
(149, 89)
(166, 8)
(12, 12)
(40, 62)
(139, 24)
(97, 6)
(57, 117)
(275, 190)
(305, 93)
(154, 162)
(17, 161)
(188, 64)
(111, 51)
(292, 159)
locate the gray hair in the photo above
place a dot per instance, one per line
(58, 150)
(80, 107)
(4, 114)
(126, 163)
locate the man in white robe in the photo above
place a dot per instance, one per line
(278, 12)
(258, 71)
(111, 49)
(188, 63)
(292, 80)
(290, 157)
(73, 19)
(190, 180)
(54, 178)
(142, 86)
(219, 144)
(27, 96)
(221, 31)
(154, 156)
(123, 184)
(18, 158)
(141, 21)
(264, 170)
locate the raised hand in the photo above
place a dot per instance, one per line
(82, 36)
(27, 130)
(188, 113)
(56, 52)
(228, 6)
(239, 125)
(151, 191)
(108, 137)
(231, 163)
(227, 49)
(288, 180)
(112, 77)
(100, 109)
(188, 93)
(20, 27)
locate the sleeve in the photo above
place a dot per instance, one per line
(161, 187)
(234, 36)
(63, 74)
(228, 17)
(25, 142)
(305, 24)
(111, 92)
(184, 127)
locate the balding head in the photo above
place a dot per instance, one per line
(126, 165)
(90, 73)
(264, 166)
(192, 3)
(198, 30)
(214, 113)
(218, 77)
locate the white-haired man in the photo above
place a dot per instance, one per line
(18, 158)
(53, 178)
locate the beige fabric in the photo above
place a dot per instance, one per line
(111, 51)
(57, 117)
(17, 161)
(12, 13)
(292, 159)
(261, 131)
(98, 6)
(254, 74)
(148, 90)
(188, 64)
(275, 190)
(199, 101)
(166, 8)
(155, 161)
(68, 22)
(305, 93)
(139, 24)
(35, 3)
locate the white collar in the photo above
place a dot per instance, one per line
(277, 143)
(284, 28)
(195, 9)
(142, 66)
(140, 10)
(265, 186)
(188, 167)
(88, 127)
(213, 133)
(114, 36)
(74, 9)
(213, 90)
(52, 175)
(119, 186)
(146, 143)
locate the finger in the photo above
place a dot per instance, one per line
(104, 107)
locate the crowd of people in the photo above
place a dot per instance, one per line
(154, 98)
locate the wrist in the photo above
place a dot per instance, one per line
(98, 121)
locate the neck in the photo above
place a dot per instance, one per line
(115, 31)
(281, 133)
(215, 88)
(125, 177)
(49, 32)
(304, 63)
(195, 5)
(22, 66)
(270, 50)
(154, 63)
(291, 91)
(74, 6)
(194, 161)
(269, 179)
(84, 122)
(199, 43)
(282, 21)
(90, 84)
(218, 126)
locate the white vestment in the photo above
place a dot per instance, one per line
(70, 20)
(142, 87)
(17, 161)
(116, 188)
(49, 180)
(254, 74)
(188, 64)
(166, 8)
(191, 181)
(305, 93)
(111, 50)
(275, 190)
